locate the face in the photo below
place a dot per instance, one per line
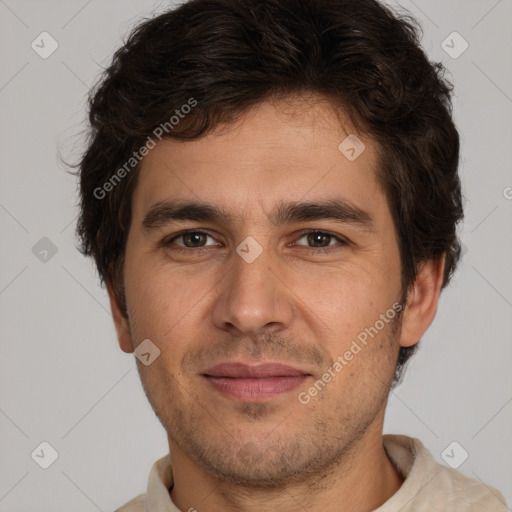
(276, 313)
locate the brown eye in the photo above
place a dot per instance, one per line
(195, 239)
(191, 239)
(320, 240)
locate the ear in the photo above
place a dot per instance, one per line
(422, 301)
(120, 321)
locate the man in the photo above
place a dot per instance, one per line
(270, 193)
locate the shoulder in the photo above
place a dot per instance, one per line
(137, 504)
(429, 485)
(465, 494)
(157, 491)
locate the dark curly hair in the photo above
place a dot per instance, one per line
(229, 55)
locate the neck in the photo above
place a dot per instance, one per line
(362, 481)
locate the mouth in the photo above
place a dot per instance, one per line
(254, 383)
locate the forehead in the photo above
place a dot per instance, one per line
(276, 151)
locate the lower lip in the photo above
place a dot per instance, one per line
(254, 390)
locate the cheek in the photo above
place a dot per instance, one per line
(349, 304)
(355, 287)
(152, 303)
(166, 307)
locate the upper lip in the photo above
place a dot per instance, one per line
(243, 370)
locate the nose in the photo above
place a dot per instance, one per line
(253, 299)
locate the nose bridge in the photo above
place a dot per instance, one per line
(249, 275)
(251, 298)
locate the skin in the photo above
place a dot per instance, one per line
(297, 303)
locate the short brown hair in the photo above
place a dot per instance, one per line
(229, 55)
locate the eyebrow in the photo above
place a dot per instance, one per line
(338, 210)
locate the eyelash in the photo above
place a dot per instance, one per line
(342, 241)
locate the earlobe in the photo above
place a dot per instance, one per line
(422, 301)
(120, 322)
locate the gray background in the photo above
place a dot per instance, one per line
(64, 380)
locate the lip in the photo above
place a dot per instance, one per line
(253, 383)
(243, 370)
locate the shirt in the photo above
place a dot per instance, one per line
(428, 485)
